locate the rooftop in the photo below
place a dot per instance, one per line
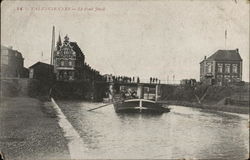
(225, 55)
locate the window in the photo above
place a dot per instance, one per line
(235, 70)
(220, 66)
(209, 67)
(70, 63)
(66, 63)
(235, 78)
(62, 63)
(227, 68)
(31, 73)
(227, 78)
(219, 79)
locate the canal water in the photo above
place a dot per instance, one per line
(182, 133)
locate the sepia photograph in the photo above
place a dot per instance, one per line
(124, 79)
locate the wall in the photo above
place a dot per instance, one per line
(19, 87)
(84, 90)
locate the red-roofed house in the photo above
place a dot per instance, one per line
(221, 68)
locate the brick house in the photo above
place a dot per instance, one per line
(221, 68)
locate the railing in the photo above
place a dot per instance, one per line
(171, 82)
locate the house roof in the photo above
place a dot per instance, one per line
(41, 63)
(4, 47)
(77, 49)
(12, 52)
(225, 55)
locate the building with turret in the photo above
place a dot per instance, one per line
(68, 60)
(69, 63)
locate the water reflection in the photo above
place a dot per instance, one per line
(182, 133)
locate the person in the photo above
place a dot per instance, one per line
(50, 93)
(123, 95)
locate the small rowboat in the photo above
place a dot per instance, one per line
(139, 106)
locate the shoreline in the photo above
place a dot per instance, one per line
(214, 107)
(30, 125)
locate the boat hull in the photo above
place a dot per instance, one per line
(139, 106)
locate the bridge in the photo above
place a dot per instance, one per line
(98, 89)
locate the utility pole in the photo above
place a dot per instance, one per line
(41, 56)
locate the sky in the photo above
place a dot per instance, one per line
(146, 38)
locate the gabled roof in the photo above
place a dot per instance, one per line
(225, 55)
(77, 49)
(41, 63)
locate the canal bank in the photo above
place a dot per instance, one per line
(231, 98)
(30, 130)
(214, 107)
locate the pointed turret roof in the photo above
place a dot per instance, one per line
(59, 42)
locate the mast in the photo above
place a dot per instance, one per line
(225, 39)
(52, 46)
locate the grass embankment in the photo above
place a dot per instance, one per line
(231, 98)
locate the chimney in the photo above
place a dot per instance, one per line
(237, 50)
(205, 57)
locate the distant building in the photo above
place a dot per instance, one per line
(68, 60)
(188, 82)
(12, 63)
(41, 71)
(221, 68)
(108, 77)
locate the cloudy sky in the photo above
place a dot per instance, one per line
(135, 38)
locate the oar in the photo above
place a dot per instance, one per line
(103, 105)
